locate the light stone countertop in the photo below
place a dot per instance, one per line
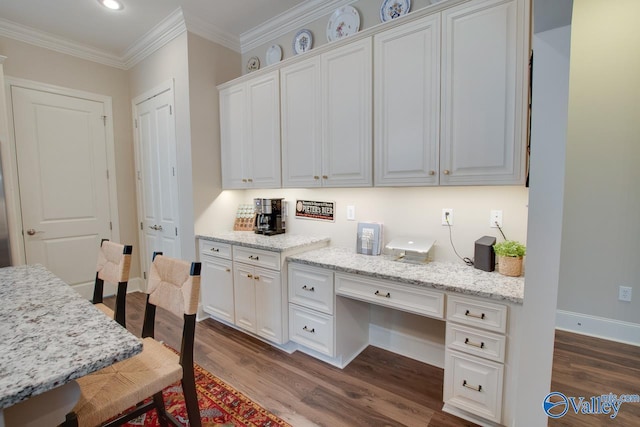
(278, 243)
(50, 335)
(444, 276)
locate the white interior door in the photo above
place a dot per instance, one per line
(63, 177)
(157, 175)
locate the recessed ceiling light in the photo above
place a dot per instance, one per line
(111, 4)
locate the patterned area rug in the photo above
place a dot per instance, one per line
(220, 405)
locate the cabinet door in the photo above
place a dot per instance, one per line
(484, 57)
(217, 288)
(407, 103)
(244, 296)
(233, 138)
(301, 124)
(263, 115)
(346, 113)
(269, 311)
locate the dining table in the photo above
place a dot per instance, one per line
(50, 336)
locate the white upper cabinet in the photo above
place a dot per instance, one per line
(484, 60)
(326, 119)
(250, 133)
(407, 103)
(301, 107)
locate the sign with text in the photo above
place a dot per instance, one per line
(323, 211)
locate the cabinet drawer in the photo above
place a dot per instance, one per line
(257, 257)
(480, 314)
(217, 249)
(474, 385)
(311, 287)
(473, 341)
(403, 297)
(311, 329)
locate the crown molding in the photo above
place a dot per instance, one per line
(288, 21)
(166, 30)
(204, 29)
(45, 40)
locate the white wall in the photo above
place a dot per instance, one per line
(548, 141)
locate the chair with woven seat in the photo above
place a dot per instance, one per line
(114, 264)
(173, 285)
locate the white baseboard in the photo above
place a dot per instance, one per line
(599, 327)
(407, 345)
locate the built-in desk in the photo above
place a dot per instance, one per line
(468, 324)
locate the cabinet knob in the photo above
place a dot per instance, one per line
(432, 172)
(316, 177)
(446, 172)
(228, 270)
(250, 180)
(256, 277)
(250, 276)
(325, 177)
(244, 180)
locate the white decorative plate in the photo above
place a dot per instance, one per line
(344, 22)
(302, 42)
(392, 9)
(253, 64)
(274, 54)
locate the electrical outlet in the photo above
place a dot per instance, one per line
(495, 219)
(447, 216)
(351, 213)
(624, 293)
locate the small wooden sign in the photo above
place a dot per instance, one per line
(322, 211)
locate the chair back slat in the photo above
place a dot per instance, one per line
(114, 262)
(174, 285)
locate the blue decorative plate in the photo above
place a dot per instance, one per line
(392, 9)
(302, 42)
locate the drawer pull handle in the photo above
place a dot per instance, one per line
(256, 258)
(215, 250)
(250, 276)
(311, 331)
(378, 293)
(477, 316)
(464, 384)
(475, 344)
(311, 289)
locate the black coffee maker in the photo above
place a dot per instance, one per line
(270, 216)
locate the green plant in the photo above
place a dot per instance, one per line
(510, 248)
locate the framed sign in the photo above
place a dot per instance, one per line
(322, 211)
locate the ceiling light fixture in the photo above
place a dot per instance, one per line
(111, 4)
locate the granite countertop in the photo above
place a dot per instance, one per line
(50, 335)
(278, 243)
(445, 276)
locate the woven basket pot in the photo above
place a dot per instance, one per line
(510, 266)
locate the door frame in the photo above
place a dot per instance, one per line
(167, 85)
(10, 162)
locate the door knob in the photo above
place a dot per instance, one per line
(31, 232)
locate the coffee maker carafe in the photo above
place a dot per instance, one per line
(270, 216)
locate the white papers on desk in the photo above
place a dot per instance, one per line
(369, 241)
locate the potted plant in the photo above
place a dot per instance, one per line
(510, 253)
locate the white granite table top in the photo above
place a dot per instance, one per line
(278, 243)
(443, 276)
(50, 335)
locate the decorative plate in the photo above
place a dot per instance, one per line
(392, 9)
(344, 22)
(274, 54)
(253, 64)
(302, 42)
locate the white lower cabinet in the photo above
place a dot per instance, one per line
(475, 356)
(216, 288)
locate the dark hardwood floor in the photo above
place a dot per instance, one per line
(380, 388)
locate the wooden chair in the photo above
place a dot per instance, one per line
(114, 264)
(173, 285)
